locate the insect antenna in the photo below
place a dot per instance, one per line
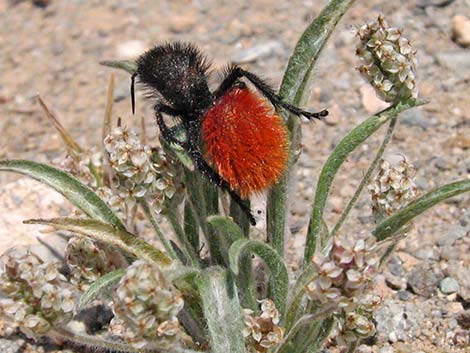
(133, 92)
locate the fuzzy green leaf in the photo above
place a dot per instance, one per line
(225, 232)
(226, 226)
(72, 189)
(100, 286)
(295, 89)
(395, 222)
(221, 310)
(242, 251)
(107, 234)
(191, 225)
(348, 144)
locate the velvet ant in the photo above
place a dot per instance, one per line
(245, 142)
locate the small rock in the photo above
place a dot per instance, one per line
(366, 219)
(392, 337)
(404, 319)
(388, 349)
(335, 115)
(183, 23)
(408, 260)
(461, 274)
(463, 319)
(458, 61)
(448, 253)
(415, 117)
(395, 266)
(427, 253)
(455, 233)
(258, 51)
(423, 281)
(449, 285)
(442, 164)
(57, 48)
(364, 349)
(130, 49)
(370, 101)
(404, 295)
(460, 140)
(394, 282)
(8, 345)
(461, 30)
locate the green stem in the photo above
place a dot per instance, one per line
(191, 225)
(348, 144)
(151, 217)
(186, 246)
(294, 89)
(394, 223)
(221, 310)
(366, 177)
(304, 321)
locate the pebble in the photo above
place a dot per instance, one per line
(461, 30)
(364, 349)
(423, 281)
(401, 319)
(455, 233)
(130, 49)
(449, 285)
(371, 103)
(404, 295)
(458, 61)
(11, 346)
(335, 115)
(461, 274)
(442, 164)
(395, 266)
(183, 23)
(394, 282)
(415, 117)
(448, 253)
(256, 52)
(427, 253)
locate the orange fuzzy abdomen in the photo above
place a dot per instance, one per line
(245, 142)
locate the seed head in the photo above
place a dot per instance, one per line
(263, 332)
(89, 260)
(84, 166)
(388, 61)
(140, 171)
(37, 296)
(146, 306)
(344, 272)
(393, 187)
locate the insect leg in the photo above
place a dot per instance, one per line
(167, 134)
(235, 72)
(216, 179)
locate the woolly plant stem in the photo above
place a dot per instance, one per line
(187, 248)
(221, 310)
(348, 144)
(391, 225)
(294, 89)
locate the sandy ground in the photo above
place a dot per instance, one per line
(55, 51)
